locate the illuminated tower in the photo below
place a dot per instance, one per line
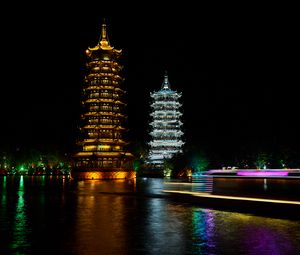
(102, 154)
(166, 134)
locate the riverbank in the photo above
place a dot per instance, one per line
(254, 172)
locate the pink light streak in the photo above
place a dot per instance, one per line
(262, 173)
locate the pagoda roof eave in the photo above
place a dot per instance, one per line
(103, 141)
(101, 125)
(102, 154)
(99, 47)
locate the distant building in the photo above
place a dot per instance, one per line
(101, 154)
(166, 134)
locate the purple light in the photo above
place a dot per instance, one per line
(214, 171)
(262, 173)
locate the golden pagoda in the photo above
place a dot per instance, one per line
(102, 154)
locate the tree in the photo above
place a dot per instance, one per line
(199, 162)
(262, 160)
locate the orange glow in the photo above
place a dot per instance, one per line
(104, 175)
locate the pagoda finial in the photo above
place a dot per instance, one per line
(104, 42)
(166, 84)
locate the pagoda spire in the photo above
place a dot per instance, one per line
(166, 84)
(104, 42)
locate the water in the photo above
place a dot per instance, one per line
(49, 215)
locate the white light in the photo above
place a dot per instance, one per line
(166, 134)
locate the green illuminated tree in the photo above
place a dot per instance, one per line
(262, 160)
(199, 162)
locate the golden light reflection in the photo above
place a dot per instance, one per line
(205, 195)
(100, 221)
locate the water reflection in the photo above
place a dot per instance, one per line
(270, 238)
(4, 217)
(3, 193)
(200, 184)
(217, 232)
(21, 228)
(99, 220)
(164, 229)
(265, 184)
(60, 216)
(203, 231)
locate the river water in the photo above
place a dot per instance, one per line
(55, 215)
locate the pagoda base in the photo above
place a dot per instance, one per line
(154, 173)
(99, 174)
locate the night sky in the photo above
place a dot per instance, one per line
(236, 66)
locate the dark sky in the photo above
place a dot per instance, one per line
(236, 66)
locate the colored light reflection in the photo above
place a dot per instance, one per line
(21, 230)
(203, 231)
(263, 239)
(262, 173)
(3, 192)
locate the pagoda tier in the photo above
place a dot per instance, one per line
(166, 134)
(102, 153)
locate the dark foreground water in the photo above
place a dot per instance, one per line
(49, 215)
